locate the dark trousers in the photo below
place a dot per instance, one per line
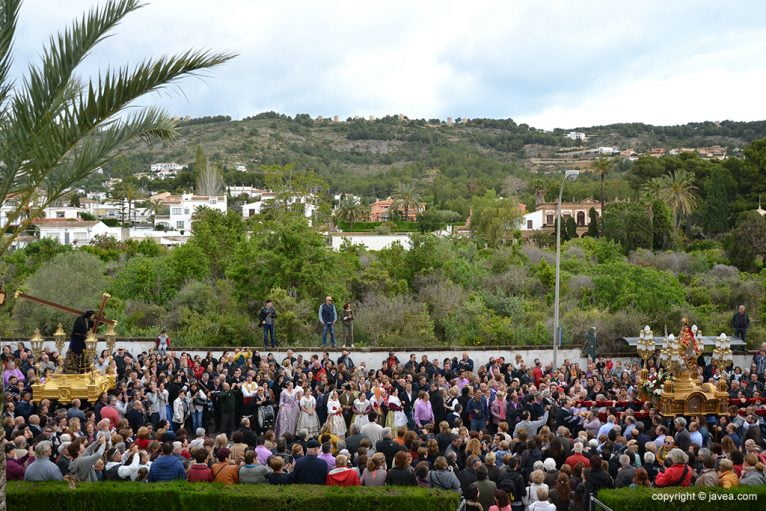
(227, 423)
(741, 333)
(268, 332)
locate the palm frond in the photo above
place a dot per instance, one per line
(9, 15)
(95, 150)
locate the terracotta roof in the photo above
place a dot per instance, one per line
(67, 223)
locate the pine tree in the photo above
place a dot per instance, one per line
(716, 211)
(593, 223)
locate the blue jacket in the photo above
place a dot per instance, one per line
(327, 314)
(477, 409)
(166, 468)
(310, 470)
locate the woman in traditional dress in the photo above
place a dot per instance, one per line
(362, 407)
(287, 418)
(335, 419)
(377, 401)
(308, 418)
(396, 418)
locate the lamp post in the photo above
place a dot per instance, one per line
(722, 351)
(37, 349)
(58, 337)
(570, 174)
(645, 348)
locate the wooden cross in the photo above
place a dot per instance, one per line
(98, 318)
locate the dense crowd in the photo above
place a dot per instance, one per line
(505, 434)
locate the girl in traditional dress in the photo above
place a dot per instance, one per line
(396, 418)
(335, 415)
(308, 418)
(287, 418)
(362, 407)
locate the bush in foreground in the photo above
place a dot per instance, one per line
(119, 496)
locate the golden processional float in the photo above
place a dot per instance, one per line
(88, 384)
(679, 390)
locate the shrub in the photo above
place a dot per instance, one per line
(393, 321)
(108, 496)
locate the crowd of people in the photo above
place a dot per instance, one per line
(503, 433)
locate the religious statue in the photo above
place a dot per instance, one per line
(79, 377)
(76, 361)
(687, 339)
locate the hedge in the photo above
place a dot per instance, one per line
(685, 499)
(124, 496)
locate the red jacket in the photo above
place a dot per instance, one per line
(672, 476)
(343, 477)
(111, 413)
(577, 458)
(199, 473)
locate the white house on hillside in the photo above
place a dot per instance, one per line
(180, 218)
(172, 166)
(257, 207)
(71, 232)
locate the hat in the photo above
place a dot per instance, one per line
(313, 444)
(168, 436)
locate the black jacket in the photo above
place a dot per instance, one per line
(467, 477)
(512, 482)
(389, 448)
(310, 470)
(401, 477)
(595, 480)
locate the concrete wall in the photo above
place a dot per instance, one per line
(375, 357)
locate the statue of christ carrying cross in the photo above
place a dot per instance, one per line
(86, 324)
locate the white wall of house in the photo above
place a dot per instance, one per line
(532, 221)
(64, 212)
(371, 241)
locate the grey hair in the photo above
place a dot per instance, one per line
(677, 456)
(41, 447)
(649, 457)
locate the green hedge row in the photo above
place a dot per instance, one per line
(741, 498)
(121, 496)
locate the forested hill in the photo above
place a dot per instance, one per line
(445, 161)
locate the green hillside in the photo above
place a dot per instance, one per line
(447, 163)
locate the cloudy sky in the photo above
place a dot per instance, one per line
(548, 63)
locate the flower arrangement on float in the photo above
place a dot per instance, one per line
(651, 388)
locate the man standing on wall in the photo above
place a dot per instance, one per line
(740, 323)
(267, 315)
(328, 315)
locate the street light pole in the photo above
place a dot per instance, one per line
(568, 174)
